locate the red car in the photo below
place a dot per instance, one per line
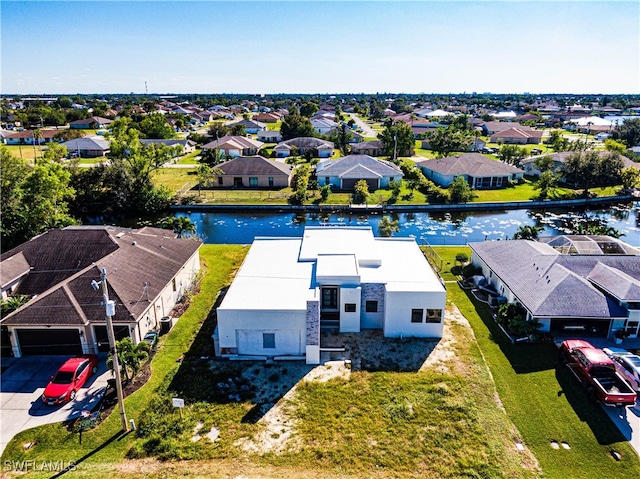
(70, 377)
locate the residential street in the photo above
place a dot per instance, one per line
(366, 129)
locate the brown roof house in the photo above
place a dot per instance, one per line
(303, 144)
(147, 271)
(479, 170)
(517, 135)
(235, 146)
(95, 122)
(253, 172)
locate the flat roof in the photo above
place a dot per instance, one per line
(280, 273)
(339, 240)
(343, 265)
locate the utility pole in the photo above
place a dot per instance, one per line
(110, 311)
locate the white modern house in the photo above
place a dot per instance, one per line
(343, 278)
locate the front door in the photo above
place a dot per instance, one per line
(329, 309)
(329, 299)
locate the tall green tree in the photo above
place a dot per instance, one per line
(55, 152)
(512, 154)
(460, 191)
(630, 177)
(155, 125)
(397, 139)
(628, 132)
(217, 130)
(360, 192)
(309, 109)
(446, 140)
(547, 183)
(544, 163)
(295, 125)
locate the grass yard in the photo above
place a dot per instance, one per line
(442, 422)
(190, 158)
(175, 178)
(544, 400)
(105, 446)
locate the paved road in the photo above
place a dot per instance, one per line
(366, 129)
(22, 385)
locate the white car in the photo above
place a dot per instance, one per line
(629, 368)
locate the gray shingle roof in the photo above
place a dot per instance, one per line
(550, 284)
(304, 142)
(87, 143)
(342, 165)
(255, 165)
(616, 282)
(472, 164)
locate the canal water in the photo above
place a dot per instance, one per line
(434, 228)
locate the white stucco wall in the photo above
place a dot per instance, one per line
(289, 328)
(398, 307)
(350, 322)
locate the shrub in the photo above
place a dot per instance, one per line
(470, 270)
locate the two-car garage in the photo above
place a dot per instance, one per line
(49, 341)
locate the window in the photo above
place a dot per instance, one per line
(416, 315)
(327, 180)
(434, 315)
(349, 307)
(329, 298)
(173, 283)
(268, 340)
(271, 181)
(253, 181)
(371, 306)
(220, 182)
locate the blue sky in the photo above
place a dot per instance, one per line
(320, 47)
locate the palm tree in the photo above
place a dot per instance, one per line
(527, 232)
(10, 304)
(130, 356)
(387, 226)
(182, 225)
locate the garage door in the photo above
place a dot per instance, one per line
(268, 342)
(349, 184)
(49, 341)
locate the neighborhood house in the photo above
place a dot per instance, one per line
(343, 173)
(148, 271)
(479, 171)
(342, 278)
(568, 283)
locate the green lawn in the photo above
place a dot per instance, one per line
(190, 158)
(435, 423)
(175, 178)
(544, 400)
(105, 445)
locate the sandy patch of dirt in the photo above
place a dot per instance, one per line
(364, 351)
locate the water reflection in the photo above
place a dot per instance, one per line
(437, 228)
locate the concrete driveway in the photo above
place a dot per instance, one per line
(22, 384)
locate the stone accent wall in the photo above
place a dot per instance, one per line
(313, 323)
(373, 292)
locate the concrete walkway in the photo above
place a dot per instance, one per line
(366, 129)
(21, 388)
